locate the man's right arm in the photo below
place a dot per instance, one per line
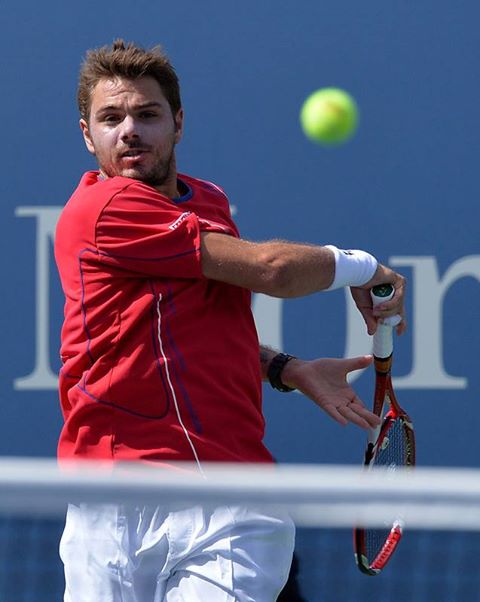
(276, 268)
(284, 269)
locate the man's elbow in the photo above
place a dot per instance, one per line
(276, 278)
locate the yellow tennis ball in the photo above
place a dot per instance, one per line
(329, 116)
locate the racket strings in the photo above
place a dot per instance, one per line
(393, 447)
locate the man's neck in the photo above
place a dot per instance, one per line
(169, 187)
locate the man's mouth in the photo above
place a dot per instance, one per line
(134, 152)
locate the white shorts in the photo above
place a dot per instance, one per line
(114, 553)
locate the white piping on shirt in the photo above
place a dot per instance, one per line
(177, 409)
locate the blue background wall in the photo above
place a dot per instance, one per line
(406, 188)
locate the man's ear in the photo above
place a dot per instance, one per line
(178, 118)
(86, 136)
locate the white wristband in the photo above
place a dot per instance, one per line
(352, 267)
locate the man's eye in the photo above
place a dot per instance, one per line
(110, 118)
(148, 114)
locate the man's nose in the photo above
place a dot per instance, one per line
(129, 128)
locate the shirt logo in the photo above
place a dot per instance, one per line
(179, 220)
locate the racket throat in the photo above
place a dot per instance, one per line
(383, 365)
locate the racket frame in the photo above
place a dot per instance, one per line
(384, 398)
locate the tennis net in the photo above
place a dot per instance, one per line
(436, 559)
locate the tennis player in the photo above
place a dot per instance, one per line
(160, 352)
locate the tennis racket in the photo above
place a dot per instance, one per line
(391, 444)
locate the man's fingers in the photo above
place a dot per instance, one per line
(333, 412)
(372, 419)
(369, 319)
(402, 327)
(354, 412)
(358, 363)
(351, 415)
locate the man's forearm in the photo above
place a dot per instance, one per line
(275, 268)
(283, 269)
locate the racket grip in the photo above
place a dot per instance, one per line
(383, 341)
(383, 337)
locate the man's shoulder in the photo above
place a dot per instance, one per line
(94, 194)
(92, 184)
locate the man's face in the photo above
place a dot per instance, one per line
(132, 132)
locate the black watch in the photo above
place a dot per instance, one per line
(275, 371)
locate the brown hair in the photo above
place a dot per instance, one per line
(129, 61)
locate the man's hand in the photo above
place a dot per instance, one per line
(372, 315)
(325, 382)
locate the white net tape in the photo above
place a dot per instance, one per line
(318, 496)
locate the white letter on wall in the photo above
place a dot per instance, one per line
(429, 290)
(42, 376)
(268, 319)
(428, 293)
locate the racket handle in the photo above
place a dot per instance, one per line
(383, 337)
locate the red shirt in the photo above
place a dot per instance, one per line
(159, 363)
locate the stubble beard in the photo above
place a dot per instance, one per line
(155, 176)
(159, 173)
